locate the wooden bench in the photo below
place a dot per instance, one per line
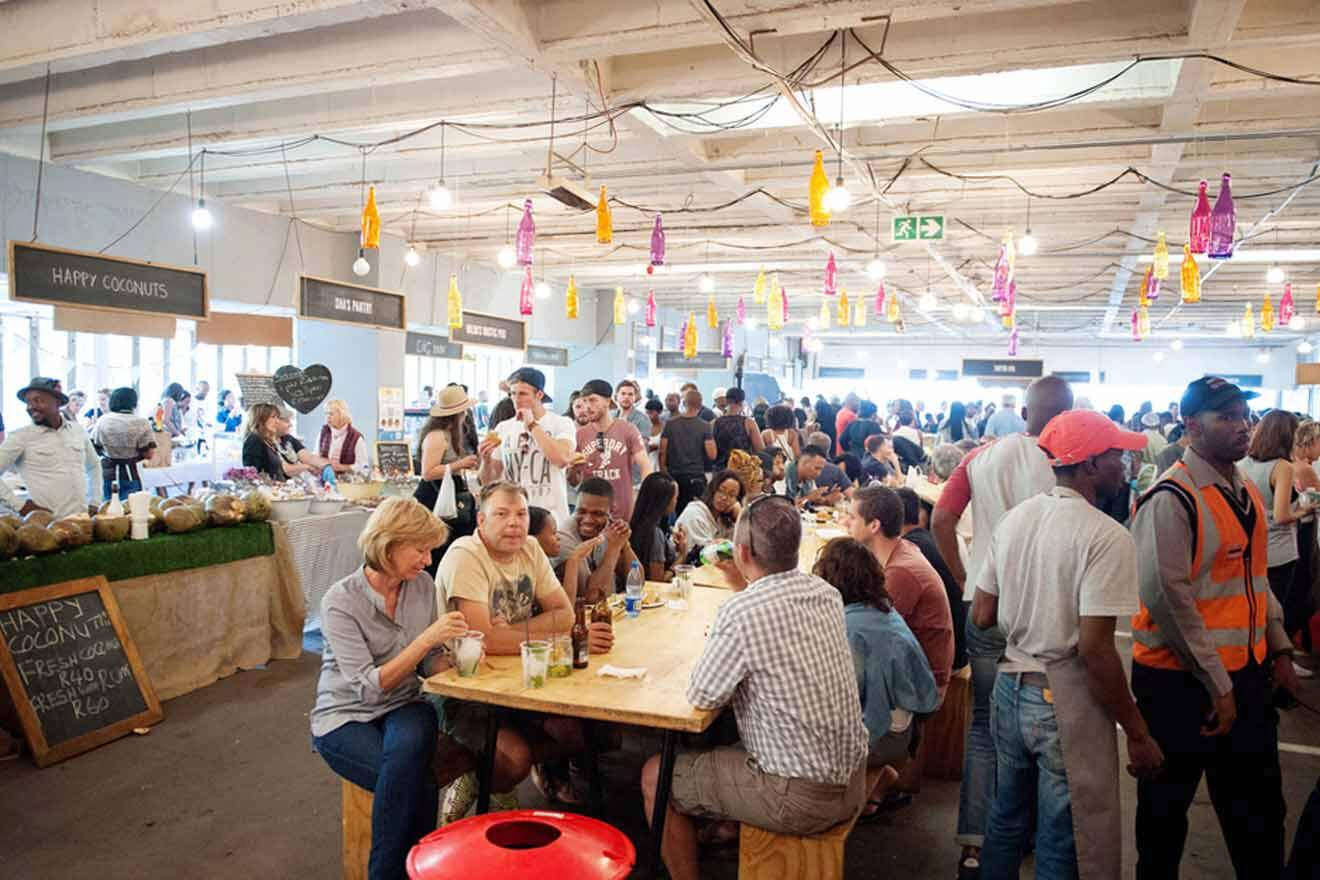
(356, 806)
(764, 855)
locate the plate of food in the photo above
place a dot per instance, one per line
(651, 599)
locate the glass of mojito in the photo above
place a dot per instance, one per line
(468, 651)
(535, 663)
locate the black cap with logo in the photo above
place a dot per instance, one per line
(1211, 393)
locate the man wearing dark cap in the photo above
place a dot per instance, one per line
(611, 447)
(534, 448)
(53, 455)
(1209, 645)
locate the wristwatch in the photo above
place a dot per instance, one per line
(532, 426)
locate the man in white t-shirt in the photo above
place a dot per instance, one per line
(1058, 573)
(533, 449)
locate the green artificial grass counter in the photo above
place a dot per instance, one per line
(126, 559)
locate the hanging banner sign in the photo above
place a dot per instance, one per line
(429, 345)
(490, 330)
(547, 356)
(38, 273)
(326, 300)
(705, 360)
(1005, 368)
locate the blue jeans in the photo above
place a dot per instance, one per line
(126, 488)
(977, 793)
(1031, 776)
(390, 757)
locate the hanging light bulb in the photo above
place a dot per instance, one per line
(1305, 347)
(961, 312)
(440, 197)
(705, 283)
(360, 265)
(750, 323)
(1176, 344)
(817, 205)
(1274, 274)
(1161, 259)
(454, 304)
(929, 302)
(541, 290)
(1027, 245)
(411, 257)
(976, 315)
(875, 270)
(506, 257)
(838, 197)
(633, 306)
(1297, 323)
(201, 216)
(1158, 356)
(1234, 328)
(1263, 357)
(571, 299)
(1223, 222)
(813, 323)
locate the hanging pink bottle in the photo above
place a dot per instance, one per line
(525, 295)
(1009, 302)
(831, 276)
(650, 308)
(741, 312)
(1153, 291)
(1198, 233)
(657, 245)
(1013, 343)
(526, 239)
(726, 348)
(1286, 308)
(1223, 222)
(999, 287)
(783, 297)
(1136, 326)
(880, 299)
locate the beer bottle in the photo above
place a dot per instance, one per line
(581, 649)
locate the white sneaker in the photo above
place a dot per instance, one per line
(1302, 671)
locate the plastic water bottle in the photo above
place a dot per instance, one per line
(634, 586)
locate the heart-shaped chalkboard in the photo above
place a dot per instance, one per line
(303, 389)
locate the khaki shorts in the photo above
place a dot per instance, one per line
(725, 783)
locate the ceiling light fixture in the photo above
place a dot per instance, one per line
(1176, 345)
(1263, 357)
(541, 290)
(411, 257)
(360, 265)
(1274, 274)
(1305, 347)
(838, 198)
(1027, 244)
(201, 217)
(929, 302)
(633, 306)
(440, 197)
(1158, 356)
(705, 283)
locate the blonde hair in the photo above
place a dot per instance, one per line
(337, 404)
(257, 416)
(399, 521)
(1308, 432)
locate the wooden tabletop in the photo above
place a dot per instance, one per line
(664, 641)
(814, 537)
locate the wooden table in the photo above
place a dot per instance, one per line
(665, 641)
(814, 537)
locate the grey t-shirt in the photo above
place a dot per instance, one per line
(569, 540)
(686, 455)
(360, 638)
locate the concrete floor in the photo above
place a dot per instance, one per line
(228, 786)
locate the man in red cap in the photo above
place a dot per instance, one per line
(1058, 574)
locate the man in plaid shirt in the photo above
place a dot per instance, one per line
(778, 653)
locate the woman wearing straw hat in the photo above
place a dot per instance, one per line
(440, 447)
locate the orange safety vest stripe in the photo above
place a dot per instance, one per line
(1228, 563)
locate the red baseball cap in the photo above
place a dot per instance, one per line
(1078, 434)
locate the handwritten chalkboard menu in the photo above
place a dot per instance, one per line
(38, 273)
(705, 360)
(329, 300)
(254, 388)
(429, 345)
(303, 389)
(490, 330)
(71, 668)
(394, 457)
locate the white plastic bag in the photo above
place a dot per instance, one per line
(446, 504)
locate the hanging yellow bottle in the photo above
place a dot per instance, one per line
(712, 316)
(1267, 315)
(455, 304)
(860, 319)
(845, 310)
(604, 222)
(893, 312)
(370, 221)
(1161, 261)
(1317, 299)
(820, 184)
(824, 318)
(620, 306)
(774, 308)
(1143, 296)
(1190, 275)
(690, 336)
(1143, 321)
(758, 290)
(1008, 320)
(1248, 322)
(571, 298)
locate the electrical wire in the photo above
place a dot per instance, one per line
(41, 154)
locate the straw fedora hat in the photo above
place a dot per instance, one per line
(452, 399)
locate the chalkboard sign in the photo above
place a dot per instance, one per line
(303, 389)
(254, 388)
(547, 355)
(490, 330)
(428, 345)
(705, 360)
(328, 300)
(394, 457)
(38, 273)
(71, 668)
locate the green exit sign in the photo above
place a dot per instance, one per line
(918, 227)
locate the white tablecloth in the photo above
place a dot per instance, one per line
(324, 550)
(177, 476)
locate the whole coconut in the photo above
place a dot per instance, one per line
(41, 518)
(224, 510)
(257, 506)
(181, 519)
(8, 540)
(70, 534)
(35, 540)
(110, 529)
(12, 521)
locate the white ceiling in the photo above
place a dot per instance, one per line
(130, 75)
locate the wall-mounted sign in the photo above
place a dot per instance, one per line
(705, 360)
(1308, 374)
(428, 345)
(389, 409)
(327, 300)
(918, 374)
(490, 330)
(38, 273)
(547, 355)
(1003, 368)
(1076, 377)
(841, 372)
(946, 375)
(1242, 380)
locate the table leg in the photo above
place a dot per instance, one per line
(595, 801)
(486, 769)
(653, 863)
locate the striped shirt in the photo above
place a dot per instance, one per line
(778, 652)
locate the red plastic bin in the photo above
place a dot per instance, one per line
(523, 843)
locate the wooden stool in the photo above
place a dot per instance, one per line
(765, 855)
(945, 733)
(356, 806)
